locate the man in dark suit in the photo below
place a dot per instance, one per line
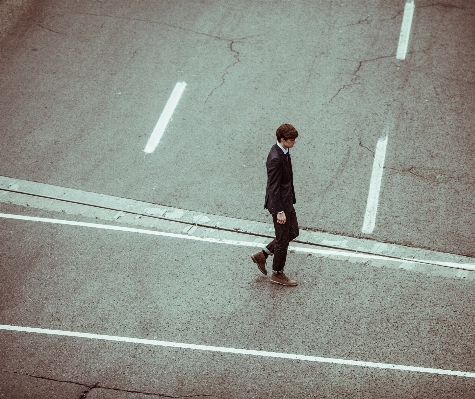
(280, 200)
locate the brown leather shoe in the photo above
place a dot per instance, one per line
(260, 259)
(282, 279)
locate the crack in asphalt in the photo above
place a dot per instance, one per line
(147, 21)
(360, 143)
(364, 21)
(439, 4)
(226, 70)
(51, 30)
(409, 170)
(355, 78)
(395, 16)
(45, 378)
(231, 41)
(439, 176)
(443, 5)
(162, 23)
(433, 175)
(353, 81)
(89, 388)
(97, 386)
(87, 391)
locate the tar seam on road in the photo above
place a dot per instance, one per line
(375, 185)
(290, 356)
(196, 224)
(405, 30)
(327, 252)
(165, 118)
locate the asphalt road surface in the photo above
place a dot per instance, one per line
(82, 86)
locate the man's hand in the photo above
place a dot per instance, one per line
(281, 219)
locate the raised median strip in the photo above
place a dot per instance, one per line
(180, 221)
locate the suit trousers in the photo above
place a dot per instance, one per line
(284, 233)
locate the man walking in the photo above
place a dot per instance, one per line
(280, 200)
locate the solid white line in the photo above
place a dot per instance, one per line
(375, 186)
(405, 30)
(239, 351)
(165, 118)
(325, 252)
(127, 229)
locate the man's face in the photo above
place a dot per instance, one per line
(287, 143)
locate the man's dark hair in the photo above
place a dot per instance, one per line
(286, 131)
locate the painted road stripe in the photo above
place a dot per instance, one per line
(375, 186)
(308, 250)
(405, 30)
(249, 352)
(165, 118)
(127, 229)
(72, 202)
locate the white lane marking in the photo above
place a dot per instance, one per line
(56, 195)
(126, 229)
(165, 117)
(405, 30)
(238, 351)
(326, 252)
(375, 186)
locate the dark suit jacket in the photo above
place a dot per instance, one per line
(280, 194)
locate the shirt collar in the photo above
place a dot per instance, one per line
(285, 150)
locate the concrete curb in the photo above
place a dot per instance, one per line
(129, 211)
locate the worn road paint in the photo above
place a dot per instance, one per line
(165, 118)
(405, 30)
(375, 186)
(188, 236)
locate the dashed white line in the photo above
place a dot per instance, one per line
(291, 356)
(405, 30)
(375, 186)
(165, 117)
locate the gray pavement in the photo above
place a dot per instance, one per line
(91, 79)
(117, 283)
(82, 85)
(14, 15)
(140, 214)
